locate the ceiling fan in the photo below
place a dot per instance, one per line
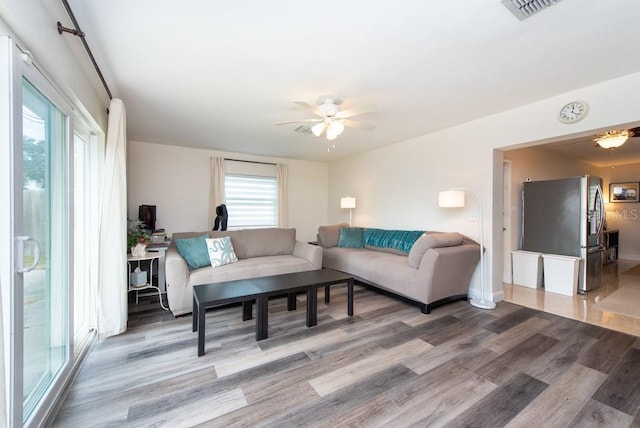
(615, 138)
(331, 121)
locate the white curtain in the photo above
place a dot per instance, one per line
(216, 188)
(112, 268)
(283, 199)
(3, 385)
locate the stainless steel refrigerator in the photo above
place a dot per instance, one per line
(566, 217)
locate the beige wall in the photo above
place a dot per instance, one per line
(176, 180)
(398, 185)
(624, 216)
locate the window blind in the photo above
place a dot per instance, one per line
(251, 201)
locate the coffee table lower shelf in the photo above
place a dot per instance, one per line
(259, 290)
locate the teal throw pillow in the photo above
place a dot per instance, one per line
(221, 251)
(194, 251)
(350, 237)
(400, 240)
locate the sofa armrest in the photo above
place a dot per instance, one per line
(176, 275)
(450, 269)
(309, 252)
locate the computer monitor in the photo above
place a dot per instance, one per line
(147, 215)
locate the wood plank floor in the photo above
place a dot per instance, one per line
(389, 365)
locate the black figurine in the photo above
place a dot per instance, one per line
(221, 218)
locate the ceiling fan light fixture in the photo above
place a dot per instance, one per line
(331, 133)
(317, 129)
(337, 127)
(613, 139)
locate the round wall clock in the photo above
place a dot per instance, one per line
(573, 112)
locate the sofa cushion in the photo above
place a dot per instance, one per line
(249, 268)
(432, 240)
(350, 237)
(221, 251)
(194, 251)
(400, 240)
(249, 243)
(328, 236)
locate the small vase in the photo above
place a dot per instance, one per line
(140, 250)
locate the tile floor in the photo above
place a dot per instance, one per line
(580, 307)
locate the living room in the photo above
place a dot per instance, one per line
(396, 182)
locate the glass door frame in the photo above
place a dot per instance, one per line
(87, 204)
(23, 67)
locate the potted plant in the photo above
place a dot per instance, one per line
(137, 238)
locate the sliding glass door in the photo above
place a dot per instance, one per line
(48, 245)
(37, 241)
(44, 244)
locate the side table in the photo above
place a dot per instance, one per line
(149, 284)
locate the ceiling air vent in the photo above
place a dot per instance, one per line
(523, 9)
(303, 129)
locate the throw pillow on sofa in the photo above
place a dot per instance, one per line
(221, 251)
(392, 241)
(328, 236)
(432, 240)
(194, 251)
(350, 237)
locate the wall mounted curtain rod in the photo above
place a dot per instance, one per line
(248, 161)
(77, 32)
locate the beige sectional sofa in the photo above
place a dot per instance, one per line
(260, 252)
(434, 269)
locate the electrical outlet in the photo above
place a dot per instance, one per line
(475, 216)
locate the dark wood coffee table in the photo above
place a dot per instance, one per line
(260, 289)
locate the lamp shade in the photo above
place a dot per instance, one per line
(451, 199)
(347, 202)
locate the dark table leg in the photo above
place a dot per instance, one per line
(326, 293)
(262, 317)
(201, 315)
(291, 302)
(350, 297)
(194, 315)
(312, 306)
(247, 310)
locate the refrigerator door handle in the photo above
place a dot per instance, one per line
(601, 212)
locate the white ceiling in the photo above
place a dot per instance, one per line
(217, 74)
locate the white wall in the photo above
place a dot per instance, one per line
(624, 216)
(176, 180)
(397, 185)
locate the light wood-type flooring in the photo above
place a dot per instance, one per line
(388, 366)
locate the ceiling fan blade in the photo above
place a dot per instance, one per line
(297, 121)
(360, 125)
(308, 107)
(368, 108)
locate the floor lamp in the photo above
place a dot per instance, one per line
(454, 198)
(350, 203)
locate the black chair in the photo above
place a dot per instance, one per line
(221, 218)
